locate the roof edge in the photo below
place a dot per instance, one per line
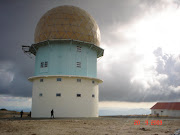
(34, 47)
(65, 76)
(166, 106)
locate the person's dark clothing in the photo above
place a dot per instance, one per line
(30, 114)
(52, 113)
(21, 113)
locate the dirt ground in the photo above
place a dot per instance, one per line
(87, 126)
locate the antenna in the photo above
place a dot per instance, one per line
(26, 49)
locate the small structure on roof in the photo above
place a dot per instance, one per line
(166, 109)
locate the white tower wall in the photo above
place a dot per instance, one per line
(68, 104)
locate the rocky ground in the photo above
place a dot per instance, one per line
(11, 124)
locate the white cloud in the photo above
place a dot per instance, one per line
(115, 104)
(135, 64)
(6, 75)
(14, 102)
(175, 89)
(131, 33)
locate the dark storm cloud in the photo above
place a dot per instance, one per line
(116, 85)
(18, 22)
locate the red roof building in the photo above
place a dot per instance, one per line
(166, 109)
(167, 105)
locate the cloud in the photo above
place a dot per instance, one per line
(6, 76)
(19, 24)
(15, 103)
(140, 38)
(114, 104)
(148, 73)
(12, 80)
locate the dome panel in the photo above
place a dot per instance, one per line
(67, 22)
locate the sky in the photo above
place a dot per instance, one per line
(141, 62)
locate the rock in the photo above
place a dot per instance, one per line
(177, 132)
(3, 109)
(142, 129)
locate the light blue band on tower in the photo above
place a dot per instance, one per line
(66, 58)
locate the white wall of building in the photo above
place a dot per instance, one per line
(68, 104)
(164, 112)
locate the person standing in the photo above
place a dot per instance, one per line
(52, 113)
(21, 113)
(30, 114)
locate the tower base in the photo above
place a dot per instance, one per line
(68, 96)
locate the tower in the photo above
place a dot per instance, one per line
(66, 48)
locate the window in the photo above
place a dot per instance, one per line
(42, 64)
(78, 48)
(40, 94)
(78, 80)
(93, 81)
(58, 79)
(93, 95)
(78, 95)
(78, 64)
(46, 64)
(58, 94)
(41, 80)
